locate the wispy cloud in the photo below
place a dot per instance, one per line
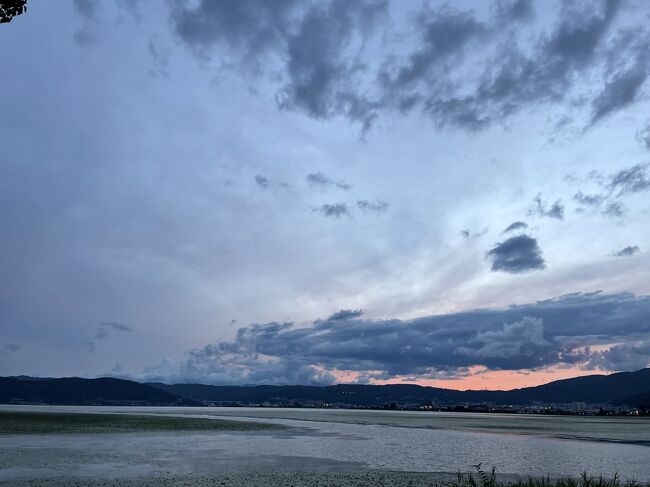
(543, 208)
(103, 331)
(336, 210)
(319, 180)
(376, 206)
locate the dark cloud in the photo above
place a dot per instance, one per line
(443, 33)
(261, 181)
(517, 255)
(323, 73)
(313, 41)
(619, 92)
(10, 347)
(553, 332)
(542, 208)
(322, 80)
(248, 29)
(102, 332)
(345, 314)
(376, 206)
(513, 78)
(628, 251)
(336, 210)
(318, 179)
(516, 226)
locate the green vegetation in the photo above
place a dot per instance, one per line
(16, 423)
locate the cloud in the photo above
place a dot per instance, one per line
(247, 30)
(442, 34)
(516, 226)
(261, 181)
(345, 314)
(517, 255)
(318, 179)
(512, 78)
(624, 182)
(514, 340)
(314, 42)
(541, 208)
(102, 332)
(321, 78)
(619, 92)
(466, 233)
(553, 332)
(115, 326)
(10, 347)
(623, 356)
(376, 206)
(643, 135)
(632, 180)
(86, 8)
(589, 199)
(333, 210)
(614, 208)
(316, 52)
(517, 10)
(628, 251)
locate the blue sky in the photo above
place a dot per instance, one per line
(180, 179)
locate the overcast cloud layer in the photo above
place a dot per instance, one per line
(172, 172)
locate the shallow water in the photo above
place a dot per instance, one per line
(336, 439)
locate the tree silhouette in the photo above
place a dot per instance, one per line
(10, 8)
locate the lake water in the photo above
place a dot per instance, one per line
(344, 439)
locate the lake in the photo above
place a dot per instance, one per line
(342, 439)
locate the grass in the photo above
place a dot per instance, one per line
(38, 423)
(484, 478)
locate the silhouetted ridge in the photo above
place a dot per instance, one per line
(592, 389)
(73, 390)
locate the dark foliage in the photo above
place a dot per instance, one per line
(10, 8)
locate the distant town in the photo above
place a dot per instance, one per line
(568, 409)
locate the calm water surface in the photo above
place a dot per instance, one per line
(395, 440)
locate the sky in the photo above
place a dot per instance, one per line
(299, 192)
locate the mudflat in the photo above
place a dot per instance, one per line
(40, 423)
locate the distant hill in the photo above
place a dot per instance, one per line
(76, 391)
(624, 388)
(618, 388)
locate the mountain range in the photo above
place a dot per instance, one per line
(622, 388)
(629, 388)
